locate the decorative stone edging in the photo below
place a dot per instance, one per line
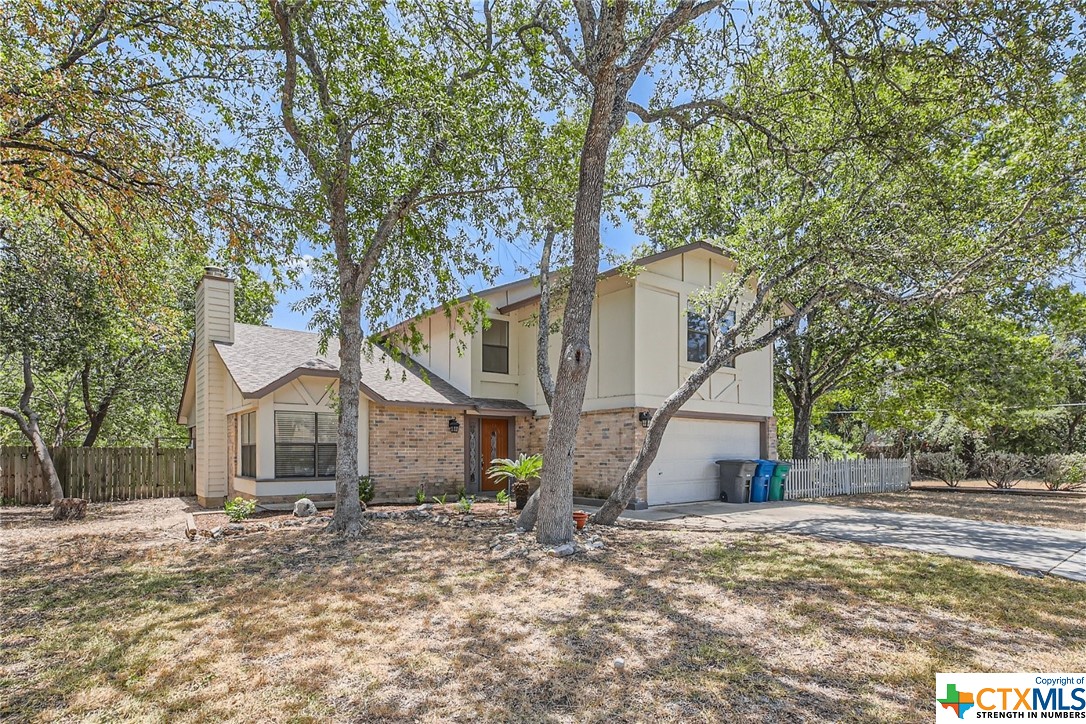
(504, 546)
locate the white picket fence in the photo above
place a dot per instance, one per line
(822, 478)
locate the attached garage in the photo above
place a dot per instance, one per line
(685, 469)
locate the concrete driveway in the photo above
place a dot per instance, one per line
(1048, 550)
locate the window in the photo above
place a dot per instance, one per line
(248, 444)
(305, 444)
(496, 347)
(697, 337)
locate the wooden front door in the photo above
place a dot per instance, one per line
(493, 443)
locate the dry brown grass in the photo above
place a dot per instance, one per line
(416, 622)
(1050, 512)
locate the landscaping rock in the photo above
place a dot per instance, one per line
(425, 507)
(216, 532)
(566, 549)
(620, 664)
(304, 508)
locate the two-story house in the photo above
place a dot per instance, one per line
(260, 401)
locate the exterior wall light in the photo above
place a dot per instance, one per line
(454, 425)
(644, 417)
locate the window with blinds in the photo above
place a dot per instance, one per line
(305, 444)
(247, 438)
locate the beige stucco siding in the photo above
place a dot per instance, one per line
(638, 338)
(441, 354)
(662, 296)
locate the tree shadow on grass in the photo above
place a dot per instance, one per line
(415, 622)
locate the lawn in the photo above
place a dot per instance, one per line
(1068, 513)
(115, 618)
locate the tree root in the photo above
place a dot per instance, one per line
(347, 528)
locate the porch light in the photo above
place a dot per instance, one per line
(454, 425)
(644, 417)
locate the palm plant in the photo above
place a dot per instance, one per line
(520, 471)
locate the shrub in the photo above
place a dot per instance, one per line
(1064, 472)
(420, 496)
(520, 471)
(239, 509)
(1003, 469)
(502, 497)
(945, 466)
(365, 488)
(440, 499)
(465, 503)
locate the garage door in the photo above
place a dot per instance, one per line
(685, 469)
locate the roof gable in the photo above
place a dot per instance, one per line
(263, 359)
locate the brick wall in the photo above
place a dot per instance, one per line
(412, 447)
(606, 443)
(771, 438)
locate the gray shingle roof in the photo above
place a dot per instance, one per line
(264, 358)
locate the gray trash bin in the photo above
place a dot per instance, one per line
(735, 476)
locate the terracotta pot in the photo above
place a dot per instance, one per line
(580, 518)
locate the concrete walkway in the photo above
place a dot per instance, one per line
(1051, 551)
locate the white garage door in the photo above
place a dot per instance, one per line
(685, 470)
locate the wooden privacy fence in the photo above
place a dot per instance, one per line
(823, 478)
(99, 474)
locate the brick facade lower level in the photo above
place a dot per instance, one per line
(412, 447)
(607, 441)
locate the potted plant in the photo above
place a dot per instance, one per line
(520, 471)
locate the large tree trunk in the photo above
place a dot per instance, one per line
(802, 410)
(348, 515)
(554, 522)
(27, 420)
(44, 458)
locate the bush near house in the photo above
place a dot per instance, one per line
(239, 509)
(365, 488)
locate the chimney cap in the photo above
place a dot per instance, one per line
(215, 271)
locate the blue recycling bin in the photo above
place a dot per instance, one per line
(759, 489)
(765, 468)
(759, 484)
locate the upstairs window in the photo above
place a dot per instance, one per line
(697, 337)
(305, 444)
(496, 347)
(248, 444)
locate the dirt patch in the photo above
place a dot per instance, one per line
(1051, 512)
(417, 622)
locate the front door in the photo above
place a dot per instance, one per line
(493, 443)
